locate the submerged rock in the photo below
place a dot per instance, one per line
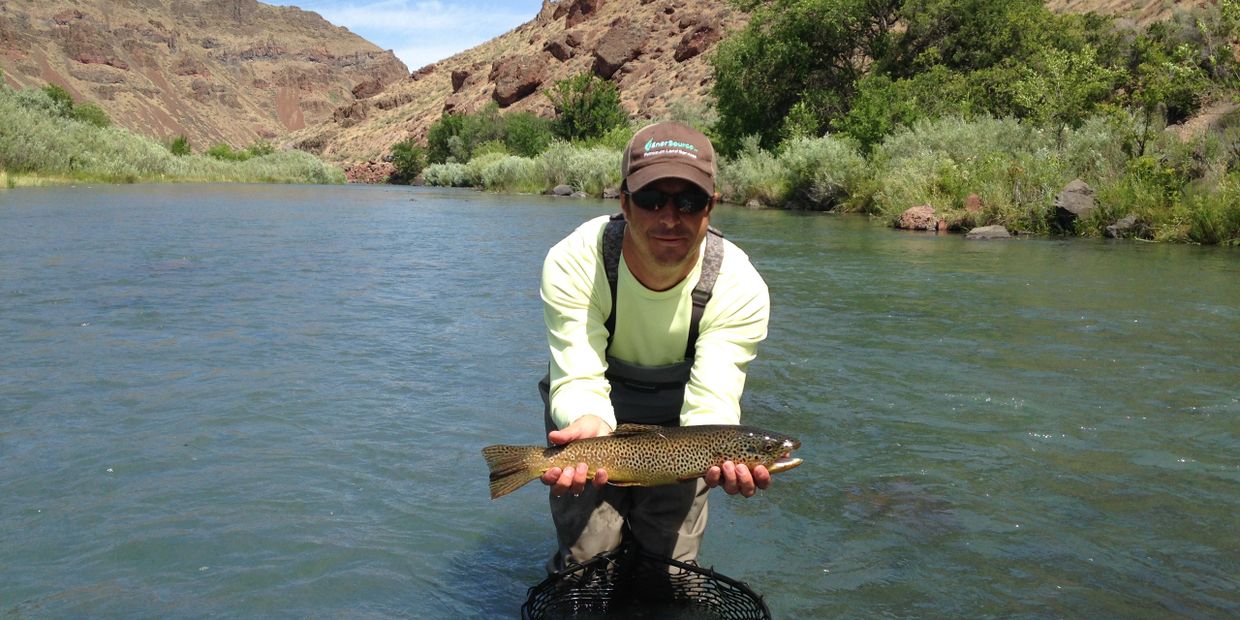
(988, 232)
(1125, 227)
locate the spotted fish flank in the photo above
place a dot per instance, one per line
(640, 455)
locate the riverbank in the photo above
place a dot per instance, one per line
(1141, 180)
(42, 145)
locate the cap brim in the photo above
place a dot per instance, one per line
(669, 170)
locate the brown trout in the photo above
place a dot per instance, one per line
(640, 455)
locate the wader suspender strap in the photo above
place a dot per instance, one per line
(613, 242)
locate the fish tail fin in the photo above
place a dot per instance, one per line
(511, 467)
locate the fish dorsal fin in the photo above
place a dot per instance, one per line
(625, 430)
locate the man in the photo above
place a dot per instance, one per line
(651, 319)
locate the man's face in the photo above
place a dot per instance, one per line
(666, 239)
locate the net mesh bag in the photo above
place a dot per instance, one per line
(632, 583)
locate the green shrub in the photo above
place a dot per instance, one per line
(586, 107)
(61, 100)
(439, 138)
(224, 152)
(92, 114)
(408, 159)
(179, 146)
(527, 134)
(259, 149)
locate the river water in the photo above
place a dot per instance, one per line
(268, 401)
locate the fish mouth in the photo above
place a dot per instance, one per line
(784, 463)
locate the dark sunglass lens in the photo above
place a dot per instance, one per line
(692, 201)
(649, 199)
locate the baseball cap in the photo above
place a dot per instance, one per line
(669, 150)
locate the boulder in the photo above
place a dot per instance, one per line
(422, 73)
(368, 88)
(698, 39)
(516, 77)
(988, 232)
(562, 190)
(458, 79)
(1124, 228)
(622, 43)
(1074, 203)
(563, 46)
(918, 218)
(578, 11)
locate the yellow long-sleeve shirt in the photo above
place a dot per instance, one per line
(651, 329)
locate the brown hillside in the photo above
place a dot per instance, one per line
(232, 71)
(654, 50)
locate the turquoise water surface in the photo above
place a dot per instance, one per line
(268, 401)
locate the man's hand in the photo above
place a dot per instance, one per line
(574, 479)
(738, 478)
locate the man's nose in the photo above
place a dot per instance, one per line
(668, 213)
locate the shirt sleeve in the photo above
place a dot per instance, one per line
(576, 299)
(734, 322)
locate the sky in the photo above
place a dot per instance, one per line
(422, 32)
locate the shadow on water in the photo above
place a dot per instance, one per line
(492, 578)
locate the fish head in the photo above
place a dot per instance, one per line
(773, 449)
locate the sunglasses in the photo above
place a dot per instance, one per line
(689, 202)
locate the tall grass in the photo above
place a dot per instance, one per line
(34, 142)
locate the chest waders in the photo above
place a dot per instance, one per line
(666, 520)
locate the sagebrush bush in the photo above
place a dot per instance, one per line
(451, 174)
(823, 171)
(753, 175)
(589, 169)
(512, 174)
(808, 173)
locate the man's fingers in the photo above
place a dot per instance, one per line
(579, 478)
(712, 476)
(761, 477)
(729, 478)
(564, 483)
(550, 476)
(744, 480)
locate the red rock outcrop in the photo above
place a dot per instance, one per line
(516, 77)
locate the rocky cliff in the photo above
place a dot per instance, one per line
(655, 51)
(232, 71)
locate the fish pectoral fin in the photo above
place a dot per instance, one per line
(626, 483)
(635, 429)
